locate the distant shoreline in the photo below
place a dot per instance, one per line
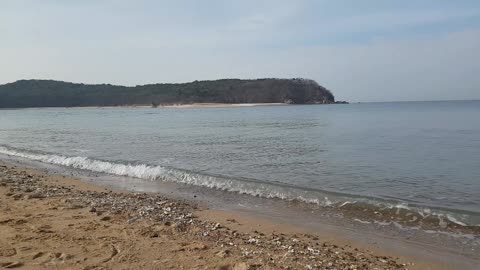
(50, 93)
(220, 105)
(160, 106)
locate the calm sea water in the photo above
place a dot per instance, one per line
(422, 154)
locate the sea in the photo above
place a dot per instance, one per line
(415, 164)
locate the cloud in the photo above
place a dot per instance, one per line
(391, 20)
(149, 41)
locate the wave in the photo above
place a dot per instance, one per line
(355, 207)
(147, 172)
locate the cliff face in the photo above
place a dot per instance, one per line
(47, 93)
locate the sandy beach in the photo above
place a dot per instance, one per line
(52, 221)
(220, 105)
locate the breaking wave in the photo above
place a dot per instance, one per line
(147, 172)
(364, 210)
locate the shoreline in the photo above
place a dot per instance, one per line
(248, 239)
(160, 106)
(366, 210)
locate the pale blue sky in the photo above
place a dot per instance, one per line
(371, 50)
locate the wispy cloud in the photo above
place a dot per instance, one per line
(393, 20)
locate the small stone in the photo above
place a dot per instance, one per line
(197, 246)
(240, 266)
(37, 195)
(105, 218)
(223, 253)
(224, 267)
(252, 241)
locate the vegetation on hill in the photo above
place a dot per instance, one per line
(49, 93)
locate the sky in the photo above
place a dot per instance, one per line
(371, 50)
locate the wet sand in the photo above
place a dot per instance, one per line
(53, 221)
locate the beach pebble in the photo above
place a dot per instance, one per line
(216, 226)
(17, 196)
(240, 266)
(36, 195)
(223, 253)
(106, 218)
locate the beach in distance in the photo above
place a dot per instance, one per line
(254, 187)
(51, 93)
(190, 105)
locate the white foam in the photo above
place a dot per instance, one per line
(327, 202)
(167, 174)
(417, 228)
(425, 212)
(402, 206)
(345, 203)
(454, 235)
(220, 183)
(456, 221)
(362, 221)
(383, 223)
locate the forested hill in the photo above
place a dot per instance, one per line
(48, 93)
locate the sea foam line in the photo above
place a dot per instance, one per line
(153, 173)
(257, 189)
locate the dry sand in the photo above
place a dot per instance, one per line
(55, 222)
(221, 105)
